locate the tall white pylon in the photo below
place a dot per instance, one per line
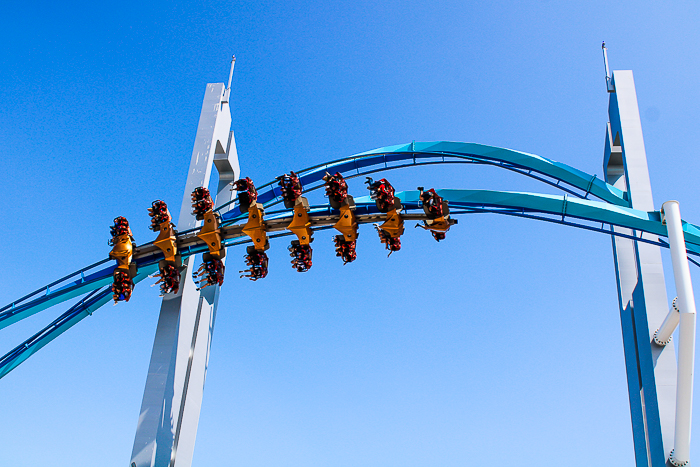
(172, 399)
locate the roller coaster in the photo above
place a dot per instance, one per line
(221, 231)
(255, 217)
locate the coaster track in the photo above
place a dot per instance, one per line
(572, 209)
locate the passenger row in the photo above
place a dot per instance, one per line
(211, 272)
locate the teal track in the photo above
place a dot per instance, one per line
(572, 209)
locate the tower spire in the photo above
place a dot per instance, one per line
(227, 91)
(233, 62)
(608, 78)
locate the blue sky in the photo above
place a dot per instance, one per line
(503, 342)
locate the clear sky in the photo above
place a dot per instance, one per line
(500, 344)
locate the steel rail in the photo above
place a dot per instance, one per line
(147, 256)
(528, 205)
(526, 164)
(84, 308)
(417, 154)
(46, 288)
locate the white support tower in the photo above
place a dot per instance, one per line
(172, 399)
(651, 368)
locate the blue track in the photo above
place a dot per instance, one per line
(564, 177)
(573, 209)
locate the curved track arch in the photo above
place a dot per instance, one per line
(562, 176)
(612, 210)
(500, 202)
(557, 174)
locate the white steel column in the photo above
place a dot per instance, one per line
(186, 431)
(175, 383)
(686, 333)
(651, 369)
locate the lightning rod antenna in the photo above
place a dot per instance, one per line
(227, 91)
(233, 62)
(608, 78)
